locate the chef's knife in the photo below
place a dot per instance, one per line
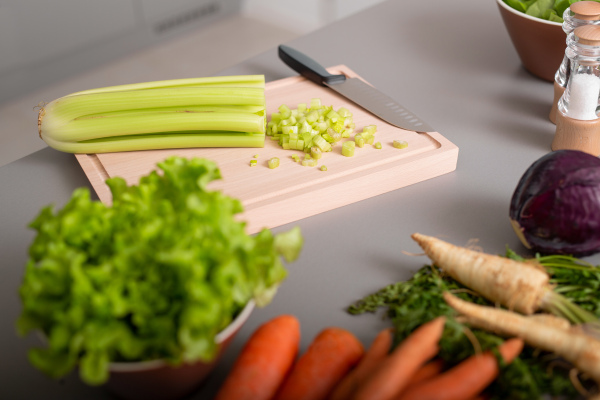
(355, 90)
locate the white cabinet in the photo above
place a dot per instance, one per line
(42, 41)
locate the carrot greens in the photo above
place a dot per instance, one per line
(409, 304)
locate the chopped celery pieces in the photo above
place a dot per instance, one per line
(400, 144)
(310, 127)
(154, 276)
(273, 162)
(224, 111)
(348, 149)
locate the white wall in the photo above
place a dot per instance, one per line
(303, 16)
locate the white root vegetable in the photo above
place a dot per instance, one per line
(516, 285)
(581, 350)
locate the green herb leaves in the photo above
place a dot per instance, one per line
(551, 10)
(418, 300)
(156, 275)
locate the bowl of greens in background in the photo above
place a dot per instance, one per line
(144, 294)
(535, 29)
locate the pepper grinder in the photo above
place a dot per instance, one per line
(578, 14)
(577, 123)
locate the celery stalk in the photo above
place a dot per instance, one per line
(164, 114)
(160, 141)
(235, 80)
(69, 107)
(94, 128)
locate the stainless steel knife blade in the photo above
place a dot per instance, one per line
(356, 90)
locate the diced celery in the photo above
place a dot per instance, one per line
(370, 128)
(377, 145)
(253, 163)
(344, 112)
(273, 162)
(348, 148)
(359, 140)
(332, 116)
(369, 140)
(316, 152)
(309, 163)
(293, 143)
(295, 157)
(315, 104)
(300, 144)
(400, 144)
(289, 129)
(285, 111)
(323, 168)
(302, 107)
(321, 143)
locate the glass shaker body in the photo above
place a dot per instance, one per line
(580, 99)
(561, 77)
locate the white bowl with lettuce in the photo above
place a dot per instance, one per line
(157, 282)
(535, 29)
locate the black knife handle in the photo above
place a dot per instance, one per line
(307, 67)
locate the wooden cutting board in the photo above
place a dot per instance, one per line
(273, 197)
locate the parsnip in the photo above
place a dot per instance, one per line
(581, 350)
(516, 285)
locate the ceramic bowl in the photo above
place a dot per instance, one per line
(540, 44)
(156, 380)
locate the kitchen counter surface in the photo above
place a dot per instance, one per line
(455, 68)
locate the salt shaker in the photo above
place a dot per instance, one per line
(578, 14)
(577, 123)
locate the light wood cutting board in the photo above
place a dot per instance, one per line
(273, 197)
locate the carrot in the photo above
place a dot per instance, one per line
(516, 285)
(264, 361)
(392, 375)
(378, 350)
(467, 379)
(582, 350)
(331, 355)
(426, 372)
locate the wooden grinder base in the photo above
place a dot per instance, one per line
(574, 134)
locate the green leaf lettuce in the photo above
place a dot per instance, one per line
(156, 275)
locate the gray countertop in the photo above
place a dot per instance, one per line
(455, 68)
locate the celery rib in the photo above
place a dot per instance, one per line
(255, 81)
(158, 141)
(84, 129)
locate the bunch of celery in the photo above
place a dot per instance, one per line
(222, 111)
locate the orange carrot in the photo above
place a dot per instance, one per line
(392, 375)
(264, 361)
(426, 372)
(467, 379)
(379, 349)
(331, 355)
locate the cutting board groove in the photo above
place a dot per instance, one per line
(273, 197)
